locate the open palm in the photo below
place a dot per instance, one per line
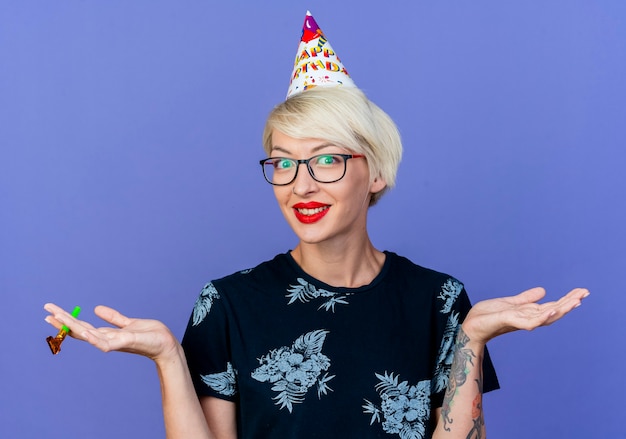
(150, 338)
(494, 317)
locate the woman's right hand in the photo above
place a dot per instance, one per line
(150, 338)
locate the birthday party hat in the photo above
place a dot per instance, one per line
(316, 64)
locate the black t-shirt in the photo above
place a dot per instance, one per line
(303, 359)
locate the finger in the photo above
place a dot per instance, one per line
(571, 300)
(54, 322)
(547, 317)
(108, 339)
(62, 317)
(77, 328)
(532, 295)
(57, 311)
(54, 309)
(578, 294)
(112, 316)
(557, 310)
(568, 303)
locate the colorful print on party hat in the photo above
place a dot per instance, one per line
(316, 64)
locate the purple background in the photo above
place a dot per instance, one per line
(129, 138)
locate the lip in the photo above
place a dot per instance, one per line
(310, 218)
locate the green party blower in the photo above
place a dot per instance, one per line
(55, 342)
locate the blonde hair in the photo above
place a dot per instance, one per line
(347, 118)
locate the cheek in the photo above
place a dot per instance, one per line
(361, 185)
(282, 194)
(355, 196)
(278, 191)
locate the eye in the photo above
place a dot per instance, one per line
(283, 164)
(327, 160)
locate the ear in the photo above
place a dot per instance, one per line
(378, 185)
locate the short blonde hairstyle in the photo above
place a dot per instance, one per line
(347, 118)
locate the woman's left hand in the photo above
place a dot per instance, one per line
(494, 317)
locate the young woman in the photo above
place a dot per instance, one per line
(334, 338)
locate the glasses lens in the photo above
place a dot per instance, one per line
(327, 168)
(280, 170)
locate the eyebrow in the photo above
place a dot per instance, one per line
(314, 150)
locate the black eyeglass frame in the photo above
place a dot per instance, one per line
(299, 162)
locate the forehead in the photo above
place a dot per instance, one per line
(282, 143)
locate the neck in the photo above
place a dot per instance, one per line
(346, 264)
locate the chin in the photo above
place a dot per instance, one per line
(309, 238)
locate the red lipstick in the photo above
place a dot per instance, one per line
(311, 212)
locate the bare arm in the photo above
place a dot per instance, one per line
(185, 417)
(461, 415)
(220, 415)
(182, 413)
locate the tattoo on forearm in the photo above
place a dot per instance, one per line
(458, 375)
(476, 432)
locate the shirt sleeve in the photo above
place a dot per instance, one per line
(452, 305)
(207, 349)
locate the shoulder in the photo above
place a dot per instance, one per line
(404, 267)
(236, 288)
(262, 274)
(440, 290)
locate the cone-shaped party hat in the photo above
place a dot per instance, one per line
(316, 64)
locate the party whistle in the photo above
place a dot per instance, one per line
(55, 342)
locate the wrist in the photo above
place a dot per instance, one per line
(172, 353)
(469, 338)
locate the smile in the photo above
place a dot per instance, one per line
(308, 213)
(311, 211)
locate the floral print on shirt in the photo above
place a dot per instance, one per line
(293, 370)
(204, 303)
(450, 291)
(445, 354)
(224, 383)
(404, 410)
(305, 292)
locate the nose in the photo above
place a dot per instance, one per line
(304, 183)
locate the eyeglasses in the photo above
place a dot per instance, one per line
(324, 168)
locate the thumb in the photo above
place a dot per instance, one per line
(530, 296)
(112, 316)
